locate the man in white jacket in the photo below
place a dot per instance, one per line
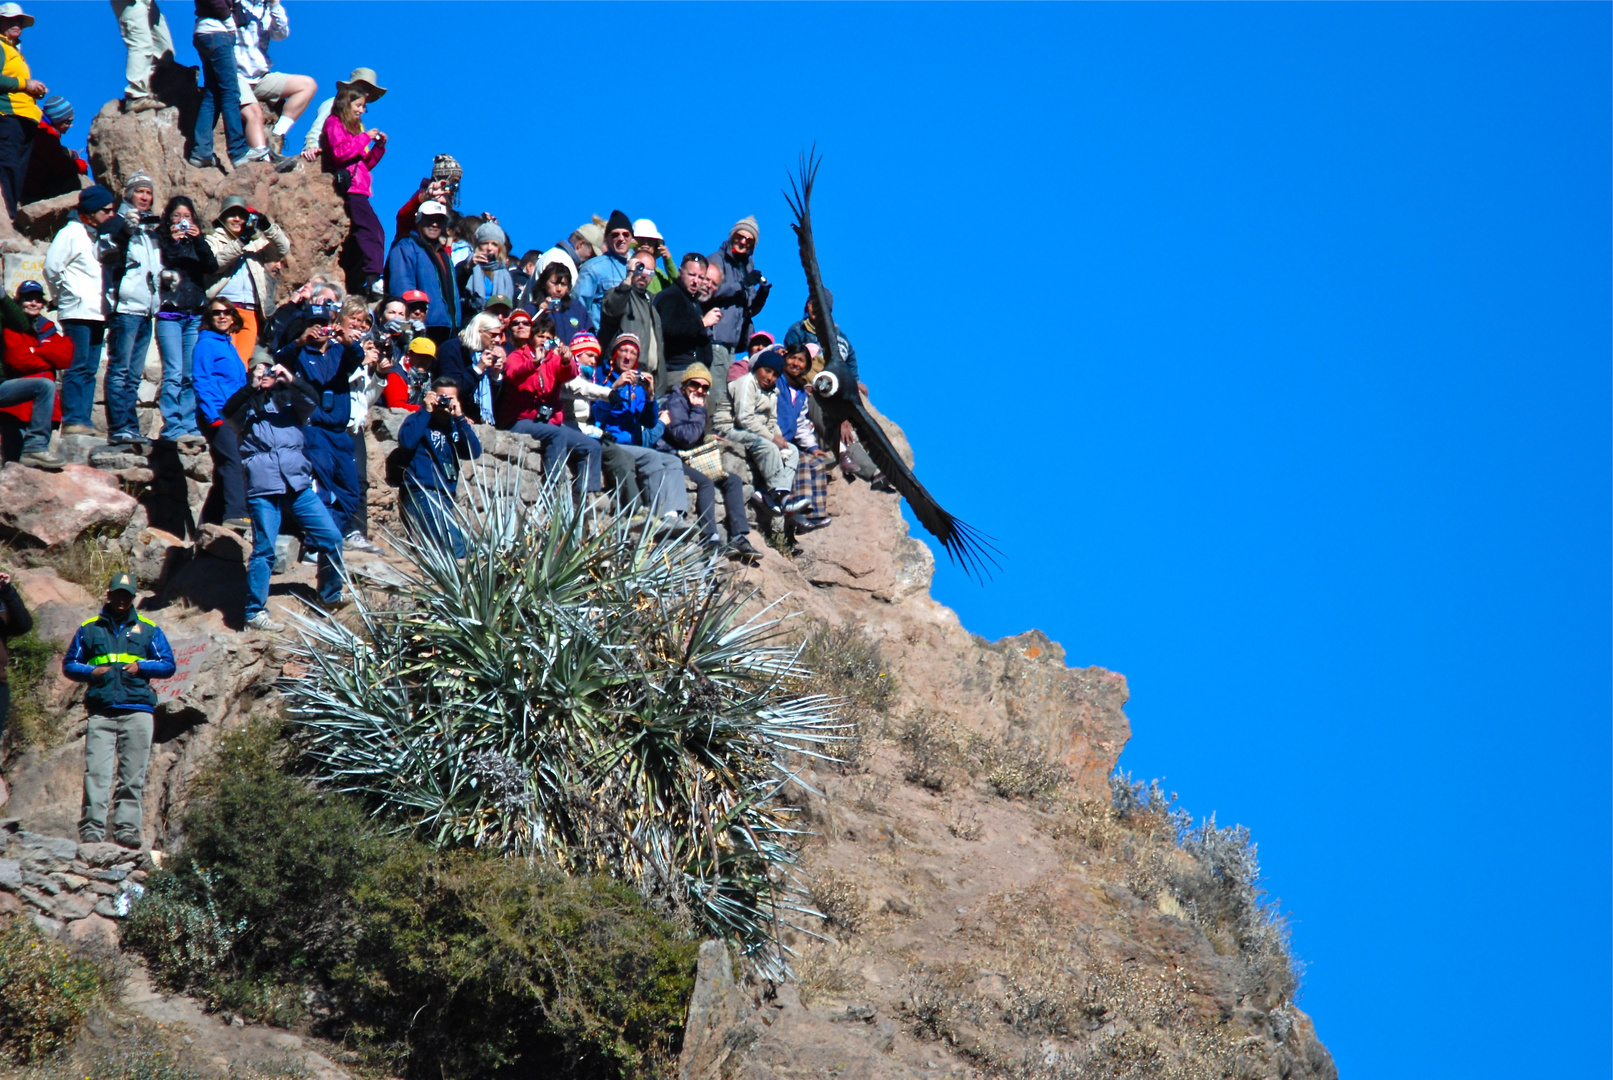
(73, 274)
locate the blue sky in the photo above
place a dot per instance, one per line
(1271, 342)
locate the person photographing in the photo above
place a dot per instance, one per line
(437, 438)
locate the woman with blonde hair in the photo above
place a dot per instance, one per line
(350, 153)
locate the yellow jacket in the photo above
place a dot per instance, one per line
(14, 75)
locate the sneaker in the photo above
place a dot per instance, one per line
(240, 525)
(310, 556)
(202, 162)
(265, 625)
(78, 429)
(377, 290)
(740, 549)
(126, 438)
(793, 504)
(257, 153)
(43, 459)
(357, 541)
(287, 164)
(766, 500)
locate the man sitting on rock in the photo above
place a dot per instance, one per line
(755, 427)
(34, 353)
(437, 438)
(118, 653)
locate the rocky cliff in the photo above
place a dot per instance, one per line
(987, 910)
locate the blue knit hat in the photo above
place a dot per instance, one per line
(58, 110)
(772, 359)
(95, 197)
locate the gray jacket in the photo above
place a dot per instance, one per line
(136, 288)
(272, 448)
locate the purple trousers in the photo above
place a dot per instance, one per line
(365, 256)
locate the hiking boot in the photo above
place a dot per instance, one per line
(793, 504)
(265, 625)
(43, 459)
(739, 548)
(78, 429)
(357, 541)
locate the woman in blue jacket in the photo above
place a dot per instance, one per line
(217, 372)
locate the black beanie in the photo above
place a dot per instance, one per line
(618, 220)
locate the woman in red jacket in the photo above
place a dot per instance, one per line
(33, 350)
(534, 371)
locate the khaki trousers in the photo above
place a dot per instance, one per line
(145, 35)
(116, 744)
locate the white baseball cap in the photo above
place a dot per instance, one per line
(429, 208)
(14, 12)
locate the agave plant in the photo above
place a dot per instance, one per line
(578, 692)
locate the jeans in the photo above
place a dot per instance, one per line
(221, 93)
(78, 383)
(42, 392)
(562, 445)
(116, 745)
(430, 518)
(16, 147)
(705, 498)
(330, 452)
(229, 475)
(359, 520)
(319, 534)
(176, 341)
(774, 467)
(128, 342)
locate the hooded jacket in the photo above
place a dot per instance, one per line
(74, 273)
(413, 264)
(33, 349)
(736, 294)
(141, 262)
(597, 277)
(217, 372)
(269, 246)
(272, 447)
(107, 640)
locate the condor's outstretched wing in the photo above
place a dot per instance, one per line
(967, 547)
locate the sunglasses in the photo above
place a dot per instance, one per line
(700, 386)
(216, 312)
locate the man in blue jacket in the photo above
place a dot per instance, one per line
(608, 269)
(438, 438)
(327, 354)
(270, 412)
(421, 262)
(118, 653)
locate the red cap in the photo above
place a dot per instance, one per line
(415, 296)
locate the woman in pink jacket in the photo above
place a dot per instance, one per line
(350, 153)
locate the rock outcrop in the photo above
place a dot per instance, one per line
(58, 508)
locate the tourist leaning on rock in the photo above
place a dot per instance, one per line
(34, 353)
(76, 277)
(19, 109)
(15, 621)
(270, 412)
(118, 653)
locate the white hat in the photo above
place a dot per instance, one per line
(429, 208)
(14, 11)
(645, 227)
(557, 255)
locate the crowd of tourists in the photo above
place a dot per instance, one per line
(630, 370)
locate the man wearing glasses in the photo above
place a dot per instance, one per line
(608, 269)
(683, 411)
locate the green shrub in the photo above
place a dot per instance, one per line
(45, 994)
(463, 964)
(29, 674)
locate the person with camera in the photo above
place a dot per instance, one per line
(740, 295)
(474, 359)
(187, 262)
(484, 275)
(351, 152)
(632, 426)
(437, 438)
(270, 412)
(602, 273)
(683, 414)
(628, 309)
(137, 267)
(117, 653)
(326, 354)
(282, 329)
(420, 262)
(245, 242)
(76, 273)
(34, 353)
(218, 373)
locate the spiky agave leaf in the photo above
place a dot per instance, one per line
(578, 692)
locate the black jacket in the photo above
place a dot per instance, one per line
(193, 262)
(14, 622)
(686, 338)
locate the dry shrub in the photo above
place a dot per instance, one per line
(845, 664)
(840, 902)
(88, 562)
(1020, 770)
(939, 754)
(964, 824)
(45, 993)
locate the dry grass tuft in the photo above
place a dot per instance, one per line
(840, 901)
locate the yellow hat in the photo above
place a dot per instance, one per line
(423, 345)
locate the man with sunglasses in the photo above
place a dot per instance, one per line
(608, 269)
(270, 412)
(683, 411)
(34, 353)
(420, 262)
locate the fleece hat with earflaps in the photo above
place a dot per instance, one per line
(747, 224)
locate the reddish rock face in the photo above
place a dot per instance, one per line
(57, 508)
